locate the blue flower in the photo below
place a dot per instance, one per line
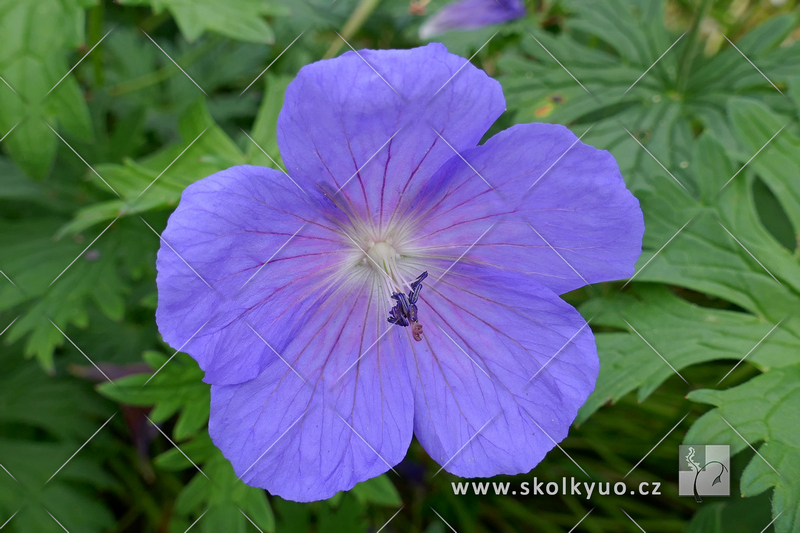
(470, 15)
(294, 291)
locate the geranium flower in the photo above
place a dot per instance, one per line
(280, 285)
(470, 15)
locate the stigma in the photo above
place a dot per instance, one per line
(382, 252)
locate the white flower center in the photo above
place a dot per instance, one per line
(382, 256)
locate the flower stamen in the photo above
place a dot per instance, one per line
(405, 312)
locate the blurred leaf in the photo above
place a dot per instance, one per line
(87, 217)
(43, 422)
(224, 502)
(313, 15)
(36, 36)
(65, 497)
(663, 107)
(729, 72)
(265, 127)
(379, 491)
(158, 181)
(735, 515)
(348, 516)
(200, 449)
(176, 386)
(773, 216)
(227, 502)
(16, 187)
(63, 408)
(56, 280)
(237, 19)
(794, 91)
(763, 409)
(292, 516)
(707, 520)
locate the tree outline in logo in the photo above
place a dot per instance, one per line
(697, 468)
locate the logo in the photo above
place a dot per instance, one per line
(704, 471)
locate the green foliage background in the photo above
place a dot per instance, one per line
(102, 130)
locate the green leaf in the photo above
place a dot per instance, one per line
(713, 241)
(762, 410)
(704, 257)
(663, 107)
(97, 213)
(736, 515)
(238, 19)
(62, 408)
(32, 462)
(794, 91)
(724, 251)
(157, 181)
(683, 333)
(45, 420)
(200, 449)
(349, 515)
(777, 164)
(379, 491)
(763, 46)
(176, 386)
(707, 520)
(264, 133)
(36, 36)
(57, 280)
(228, 502)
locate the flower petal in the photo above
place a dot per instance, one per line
(558, 209)
(367, 122)
(471, 14)
(502, 369)
(335, 411)
(244, 248)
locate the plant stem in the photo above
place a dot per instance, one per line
(691, 47)
(357, 18)
(164, 73)
(94, 31)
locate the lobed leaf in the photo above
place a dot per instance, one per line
(238, 19)
(762, 410)
(684, 334)
(175, 387)
(36, 36)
